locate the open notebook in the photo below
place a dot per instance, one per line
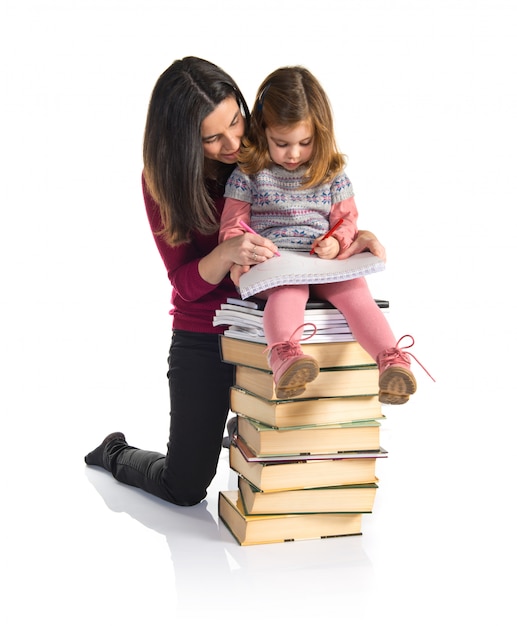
(294, 268)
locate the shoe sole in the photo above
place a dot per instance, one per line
(293, 381)
(396, 384)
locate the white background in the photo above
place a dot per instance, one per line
(425, 101)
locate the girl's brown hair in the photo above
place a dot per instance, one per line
(288, 96)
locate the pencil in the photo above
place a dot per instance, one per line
(250, 230)
(330, 232)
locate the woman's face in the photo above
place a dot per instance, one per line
(222, 131)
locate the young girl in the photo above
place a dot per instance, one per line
(290, 186)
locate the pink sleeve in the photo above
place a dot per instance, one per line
(234, 211)
(347, 232)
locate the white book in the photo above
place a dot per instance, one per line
(222, 318)
(247, 335)
(328, 313)
(295, 268)
(244, 319)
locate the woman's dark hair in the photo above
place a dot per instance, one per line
(174, 162)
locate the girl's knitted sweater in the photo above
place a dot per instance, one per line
(289, 216)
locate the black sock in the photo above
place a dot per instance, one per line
(97, 456)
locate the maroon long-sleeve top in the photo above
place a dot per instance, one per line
(193, 299)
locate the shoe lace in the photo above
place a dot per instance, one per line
(398, 353)
(291, 348)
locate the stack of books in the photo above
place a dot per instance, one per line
(306, 466)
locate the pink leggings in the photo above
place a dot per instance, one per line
(285, 309)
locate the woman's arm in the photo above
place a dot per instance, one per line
(196, 268)
(237, 250)
(365, 241)
(252, 247)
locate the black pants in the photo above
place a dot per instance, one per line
(199, 385)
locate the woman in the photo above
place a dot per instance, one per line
(196, 119)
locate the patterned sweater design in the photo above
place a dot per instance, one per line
(287, 215)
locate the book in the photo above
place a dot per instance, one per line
(334, 499)
(321, 336)
(255, 316)
(260, 529)
(254, 354)
(331, 382)
(281, 473)
(326, 331)
(264, 440)
(244, 320)
(305, 411)
(258, 303)
(330, 325)
(293, 268)
(252, 457)
(324, 319)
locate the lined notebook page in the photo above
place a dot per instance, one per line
(295, 268)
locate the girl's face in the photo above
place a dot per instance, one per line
(222, 131)
(290, 146)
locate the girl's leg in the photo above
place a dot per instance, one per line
(371, 329)
(366, 320)
(284, 313)
(284, 316)
(199, 385)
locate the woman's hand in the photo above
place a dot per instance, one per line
(249, 249)
(236, 271)
(245, 250)
(365, 241)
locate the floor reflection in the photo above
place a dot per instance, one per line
(210, 566)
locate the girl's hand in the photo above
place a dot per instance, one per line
(327, 248)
